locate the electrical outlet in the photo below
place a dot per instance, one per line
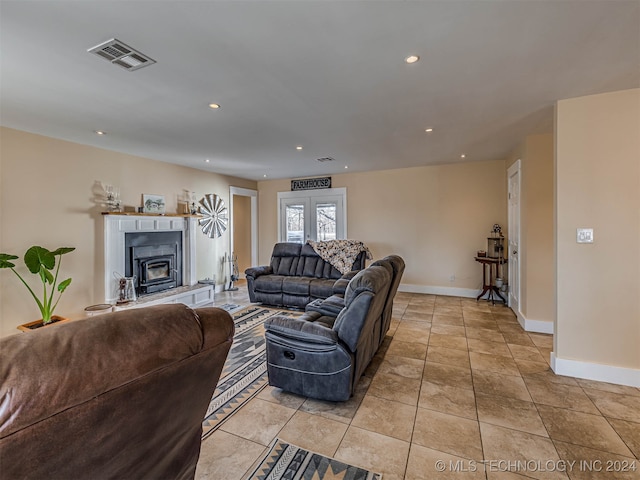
(584, 235)
(452, 278)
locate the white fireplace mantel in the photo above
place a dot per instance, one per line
(115, 228)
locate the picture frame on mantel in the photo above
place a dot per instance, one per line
(152, 203)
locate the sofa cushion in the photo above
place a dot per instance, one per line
(321, 287)
(296, 285)
(269, 283)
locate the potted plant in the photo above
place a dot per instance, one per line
(41, 262)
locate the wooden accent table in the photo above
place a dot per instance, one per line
(491, 264)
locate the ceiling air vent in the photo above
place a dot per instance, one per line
(326, 159)
(122, 55)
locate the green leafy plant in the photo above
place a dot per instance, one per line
(42, 262)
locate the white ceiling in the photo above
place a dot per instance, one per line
(327, 75)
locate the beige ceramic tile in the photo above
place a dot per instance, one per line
(488, 324)
(448, 310)
(609, 387)
(541, 340)
(448, 341)
(494, 363)
(227, 456)
(313, 432)
(386, 417)
(549, 376)
(448, 356)
(493, 383)
(443, 329)
(338, 411)
(591, 464)
(518, 339)
(491, 348)
(526, 367)
(258, 421)
(413, 335)
(630, 434)
(427, 463)
(510, 413)
(521, 352)
(518, 449)
(441, 319)
(592, 431)
(484, 334)
(420, 308)
(614, 405)
(375, 452)
(408, 349)
(402, 366)
(446, 399)
(279, 396)
(448, 433)
(558, 395)
(473, 314)
(417, 317)
(447, 375)
(393, 387)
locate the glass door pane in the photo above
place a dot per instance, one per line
(326, 221)
(295, 223)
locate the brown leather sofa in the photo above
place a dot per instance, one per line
(117, 396)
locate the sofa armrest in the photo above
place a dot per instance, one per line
(340, 287)
(300, 330)
(255, 272)
(217, 326)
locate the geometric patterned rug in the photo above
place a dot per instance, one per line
(286, 461)
(244, 373)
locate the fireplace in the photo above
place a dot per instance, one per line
(154, 259)
(157, 271)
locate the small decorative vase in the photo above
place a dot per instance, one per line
(499, 282)
(29, 327)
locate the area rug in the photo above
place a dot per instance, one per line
(244, 373)
(286, 461)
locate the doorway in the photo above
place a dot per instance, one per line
(513, 175)
(243, 214)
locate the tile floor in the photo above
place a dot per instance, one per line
(457, 390)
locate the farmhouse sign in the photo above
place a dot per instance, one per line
(310, 183)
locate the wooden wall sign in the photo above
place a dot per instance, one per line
(310, 183)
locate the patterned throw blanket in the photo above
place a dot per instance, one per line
(340, 253)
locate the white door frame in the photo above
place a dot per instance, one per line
(513, 213)
(308, 194)
(246, 192)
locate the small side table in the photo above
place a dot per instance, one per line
(490, 264)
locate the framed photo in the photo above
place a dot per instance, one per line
(153, 203)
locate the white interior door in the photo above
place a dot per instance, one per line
(514, 236)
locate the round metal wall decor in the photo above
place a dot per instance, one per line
(215, 218)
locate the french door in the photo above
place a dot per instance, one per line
(312, 215)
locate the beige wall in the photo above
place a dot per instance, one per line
(50, 196)
(537, 270)
(598, 186)
(435, 217)
(242, 231)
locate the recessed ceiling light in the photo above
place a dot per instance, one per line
(411, 59)
(299, 147)
(463, 156)
(206, 160)
(100, 132)
(428, 130)
(265, 175)
(215, 106)
(346, 166)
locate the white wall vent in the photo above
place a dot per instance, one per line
(326, 159)
(122, 55)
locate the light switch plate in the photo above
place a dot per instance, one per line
(584, 235)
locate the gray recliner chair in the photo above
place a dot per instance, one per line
(323, 357)
(335, 303)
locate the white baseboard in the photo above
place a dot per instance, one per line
(595, 371)
(434, 290)
(534, 326)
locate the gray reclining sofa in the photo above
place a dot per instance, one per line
(322, 356)
(296, 276)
